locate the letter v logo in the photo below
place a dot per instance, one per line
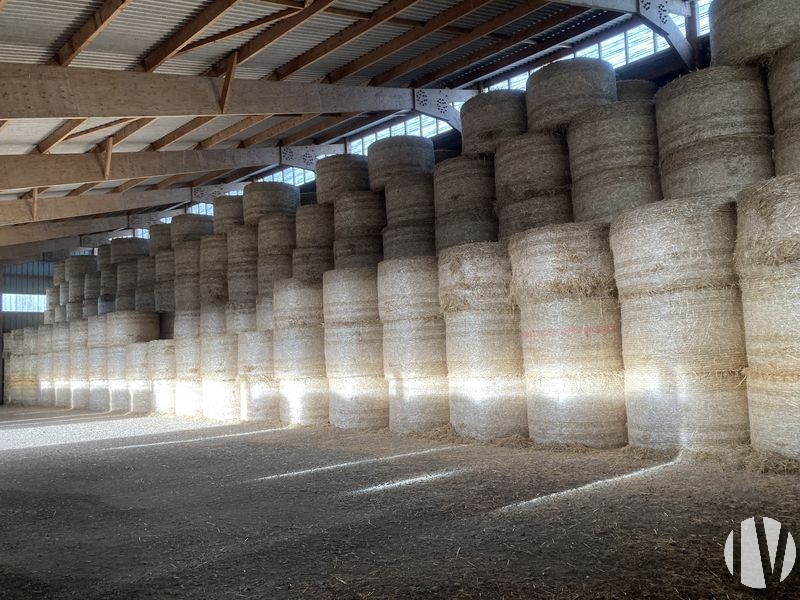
(767, 556)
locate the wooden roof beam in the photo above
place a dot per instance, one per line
(59, 135)
(87, 32)
(278, 16)
(38, 232)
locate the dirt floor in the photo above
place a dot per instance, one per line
(107, 506)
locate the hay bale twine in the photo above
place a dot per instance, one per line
(164, 290)
(52, 294)
(351, 253)
(410, 201)
(308, 264)
(613, 156)
(560, 91)
(484, 356)
(723, 166)
(768, 263)
(464, 192)
(787, 151)
(219, 367)
(399, 156)
(414, 351)
(725, 101)
(188, 377)
(299, 352)
(272, 267)
(186, 324)
(161, 373)
(187, 275)
(563, 283)
(634, 90)
(682, 330)
(243, 264)
(160, 238)
(784, 87)
(60, 314)
(213, 282)
(276, 233)
(259, 395)
(531, 166)
(128, 249)
(228, 213)
(408, 241)
(74, 311)
(314, 225)
(63, 294)
(129, 327)
(339, 174)
(190, 227)
(263, 198)
(537, 211)
(137, 377)
(490, 119)
(748, 31)
(127, 276)
(103, 256)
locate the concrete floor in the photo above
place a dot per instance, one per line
(108, 506)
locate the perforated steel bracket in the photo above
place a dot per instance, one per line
(305, 157)
(207, 193)
(439, 104)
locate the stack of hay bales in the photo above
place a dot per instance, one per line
(213, 284)
(51, 294)
(160, 236)
(359, 219)
(414, 351)
(784, 88)
(137, 377)
(228, 213)
(30, 381)
(219, 368)
(62, 355)
(768, 263)
(339, 174)
(91, 293)
(276, 241)
(613, 156)
(164, 291)
(75, 271)
(314, 237)
(490, 119)
(44, 366)
(563, 283)
(144, 296)
(125, 254)
(62, 291)
(723, 143)
(354, 349)
(162, 376)
(189, 227)
(79, 364)
(682, 330)
(122, 329)
(106, 300)
(188, 375)
(399, 156)
(259, 393)
(484, 355)
(96, 360)
(299, 352)
(410, 218)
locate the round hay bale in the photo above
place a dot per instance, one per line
(276, 234)
(259, 395)
(768, 263)
(537, 211)
(354, 349)
(358, 402)
(137, 377)
(128, 249)
(475, 277)
(748, 31)
(298, 302)
(45, 394)
(339, 174)
(187, 259)
(99, 397)
(187, 276)
(243, 264)
(418, 405)
(48, 317)
(97, 332)
(723, 166)
(563, 282)
(30, 340)
(562, 90)
(490, 119)
(188, 377)
(74, 311)
(410, 201)
(264, 321)
(161, 369)
(784, 87)
(408, 289)
(75, 267)
(44, 339)
(127, 276)
(263, 198)
(165, 266)
(531, 165)
(350, 296)
(228, 213)
(272, 267)
(59, 383)
(145, 272)
(218, 364)
(414, 349)
(108, 281)
(63, 294)
(407, 241)
(60, 338)
(213, 320)
(633, 90)
(78, 334)
(304, 401)
(103, 256)
(358, 214)
(351, 253)
(53, 295)
(725, 101)
(399, 156)
(613, 156)
(682, 331)
(314, 226)
(187, 228)
(91, 286)
(79, 378)
(160, 238)
(186, 323)
(213, 273)
(787, 151)
(299, 339)
(60, 314)
(164, 291)
(59, 273)
(240, 316)
(464, 190)
(90, 308)
(129, 327)
(308, 264)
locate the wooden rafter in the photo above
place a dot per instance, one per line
(179, 133)
(232, 130)
(109, 125)
(58, 136)
(195, 27)
(347, 35)
(89, 31)
(270, 36)
(255, 24)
